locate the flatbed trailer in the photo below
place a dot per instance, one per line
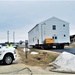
(50, 46)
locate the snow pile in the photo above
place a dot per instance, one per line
(26, 49)
(65, 62)
(34, 53)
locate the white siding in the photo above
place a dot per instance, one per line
(45, 31)
(33, 35)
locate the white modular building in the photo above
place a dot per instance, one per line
(50, 28)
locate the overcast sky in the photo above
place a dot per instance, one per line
(21, 16)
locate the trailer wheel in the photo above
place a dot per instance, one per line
(45, 47)
(57, 47)
(42, 47)
(61, 47)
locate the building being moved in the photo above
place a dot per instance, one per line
(50, 33)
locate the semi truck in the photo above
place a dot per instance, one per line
(51, 33)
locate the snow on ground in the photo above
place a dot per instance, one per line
(65, 62)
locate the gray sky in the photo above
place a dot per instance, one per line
(20, 16)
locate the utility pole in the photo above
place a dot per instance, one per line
(14, 37)
(8, 36)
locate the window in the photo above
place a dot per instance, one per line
(54, 27)
(63, 25)
(64, 35)
(55, 37)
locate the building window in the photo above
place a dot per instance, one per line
(55, 37)
(63, 25)
(64, 35)
(54, 27)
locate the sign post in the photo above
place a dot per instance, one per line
(26, 51)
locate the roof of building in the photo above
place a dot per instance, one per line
(48, 20)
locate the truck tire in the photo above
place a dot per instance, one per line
(62, 47)
(8, 59)
(1, 62)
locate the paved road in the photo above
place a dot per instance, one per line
(71, 50)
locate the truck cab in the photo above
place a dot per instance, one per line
(7, 54)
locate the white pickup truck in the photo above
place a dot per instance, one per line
(7, 54)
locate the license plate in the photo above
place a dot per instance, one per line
(54, 46)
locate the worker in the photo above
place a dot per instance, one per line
(9, 45)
